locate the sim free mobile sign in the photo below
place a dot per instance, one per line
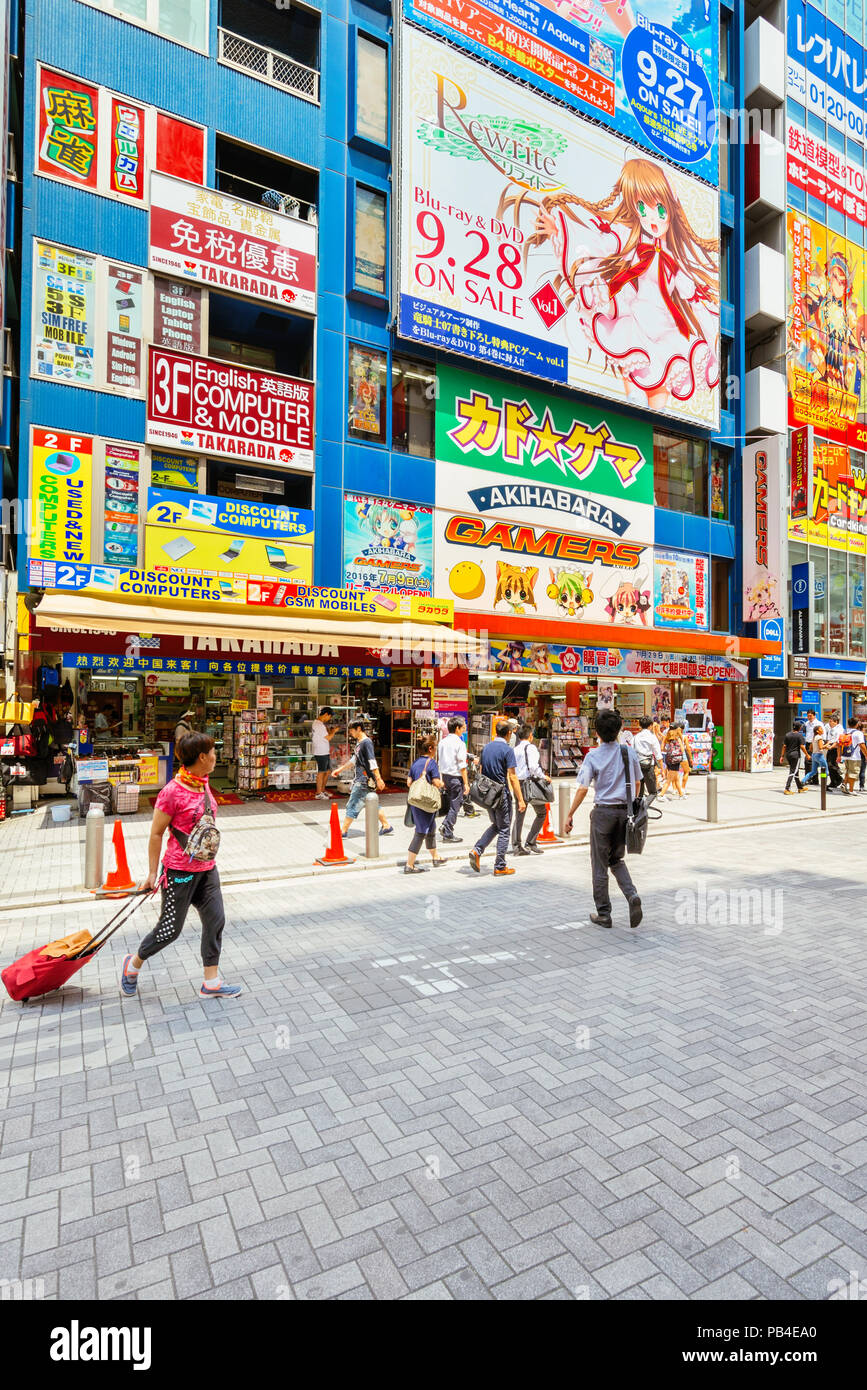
(647, 70)
(533, 240)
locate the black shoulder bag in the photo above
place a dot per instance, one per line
(636, 815)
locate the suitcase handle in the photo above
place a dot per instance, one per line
(120, 918)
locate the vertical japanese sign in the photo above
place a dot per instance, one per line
(177, 315)
(124, 326)
(120, 543)
(64, 306)
(127, 174)
(800, 470)
(68, 128)
(762, 467)
(61, 488)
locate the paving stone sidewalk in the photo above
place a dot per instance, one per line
(43, 862)
(452, 1087)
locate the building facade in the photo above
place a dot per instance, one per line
(344, 327)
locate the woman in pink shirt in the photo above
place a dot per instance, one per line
(185, 882)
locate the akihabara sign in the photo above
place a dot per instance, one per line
(213, 407)
(215, 239)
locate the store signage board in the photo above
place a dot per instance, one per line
(223, 666)
(762, 466)
(826, 68)
(510, 213)
(173, 587)
(92, 769)
(219, 535)
(615, 63)
(61, 481)
(773, 668)
(680, 590)
(265, 697)
(387, 544)
(218, 240)
(803, 586)
(546, 659)
(360, 603)
(215, 407)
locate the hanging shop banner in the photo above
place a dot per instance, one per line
(387, 545)
(680, 594)
(826, 348)
(64, 310)
(177, 315)
(837, 515)
(800, 472)
(216, 239)
(174, 471)
(521, 242)
(227, 536)
(323, 603)
(507, 567)
(126, 173)
(613, 62)
(827, 68)
(68, 128)
(221, 666)
(123, 330)
(545, 659)
(61, 482)
(825, 174)
(214, 407)
(762, 467)
(532, 456)
(172, 586)
(122, 465)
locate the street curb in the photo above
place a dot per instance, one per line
(242, 878)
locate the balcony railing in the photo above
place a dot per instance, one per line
(268, 66)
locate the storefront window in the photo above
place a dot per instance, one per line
(725, 24)
(371, 90)
(413, 400)
(838, 628)
(680, 473)
(720, 577)
(856, 605)
(366, 400)
(820, 598)
(720, 462)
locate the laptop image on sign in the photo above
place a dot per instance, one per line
(277, 559)
(177, 548)
(233, 550)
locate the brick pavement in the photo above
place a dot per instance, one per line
(459, 1089)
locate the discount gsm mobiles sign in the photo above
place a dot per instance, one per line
(214, 407)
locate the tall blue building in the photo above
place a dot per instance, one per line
(447, 322)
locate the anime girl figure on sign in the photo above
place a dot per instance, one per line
(642, 286)
(392, 528)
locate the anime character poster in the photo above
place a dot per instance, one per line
(680, 590)
(531, 239)
(826, 338)
(387, 545)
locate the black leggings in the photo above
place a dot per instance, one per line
(420, 838)
(182, 890)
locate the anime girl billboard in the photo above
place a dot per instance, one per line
(543, 244)
(387, 545)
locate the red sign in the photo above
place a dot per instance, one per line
(215, 407)
(68, 129)
(825, 174)
(127, 149)
(548, 305)
(213, 238)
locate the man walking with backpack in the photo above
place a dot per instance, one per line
(614, 793)
(500, 767)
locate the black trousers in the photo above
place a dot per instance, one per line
(454, 794)
(182, 890)
(500, 820)
(793, 760)
(539, 820)
(607, 850)
(648, 775)
(834, 778)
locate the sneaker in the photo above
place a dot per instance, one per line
(475, 860)
(223, 991)
(498, 873)
(600, 920)
(386, 830)
(128, 983)
(635, 912)
(519, 849)
(789, 792)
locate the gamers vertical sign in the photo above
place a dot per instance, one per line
(762, 471)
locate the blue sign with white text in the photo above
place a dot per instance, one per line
(772, 668)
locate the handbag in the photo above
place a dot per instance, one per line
(203, 840)
(537, 788)
(423, 795)
(486, 793)
(637, 822)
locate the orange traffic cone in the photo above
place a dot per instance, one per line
(546, 835)
(119, 883)
(334, 853)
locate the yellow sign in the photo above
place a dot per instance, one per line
(61, 485)
(149, 771)
(349, 603)
(221, 553)
(238, 706)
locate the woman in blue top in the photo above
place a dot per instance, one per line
(424, 821)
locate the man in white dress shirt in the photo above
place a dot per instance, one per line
(646, 745)
(452, 760)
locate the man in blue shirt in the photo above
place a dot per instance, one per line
(614, 793)
(498, 763)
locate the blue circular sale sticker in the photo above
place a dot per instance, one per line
(669, 92)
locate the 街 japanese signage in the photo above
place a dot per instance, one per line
(534, 457)
(215, 407)
(228, 537)
(617, 62)
(215, 239)
(837, 515)
(535, 241)
(547, 659)
(61, 488)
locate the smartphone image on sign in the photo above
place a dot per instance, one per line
(233, 550)
(123, 323)
(277, 559)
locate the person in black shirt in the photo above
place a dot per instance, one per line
(793, 744)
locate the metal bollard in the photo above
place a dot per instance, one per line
(371, 825)
(823, 789)
(94, 846)
(712, 789)
(564, 801)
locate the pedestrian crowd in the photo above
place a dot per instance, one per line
(830, 749)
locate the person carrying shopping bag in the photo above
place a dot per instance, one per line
(185, 808)
(425, 788)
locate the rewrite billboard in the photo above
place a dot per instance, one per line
(613, 62)
(680, 596)
(228, 537)
(215, 239)
(531, 239)
(214, 407)
(387, 545)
